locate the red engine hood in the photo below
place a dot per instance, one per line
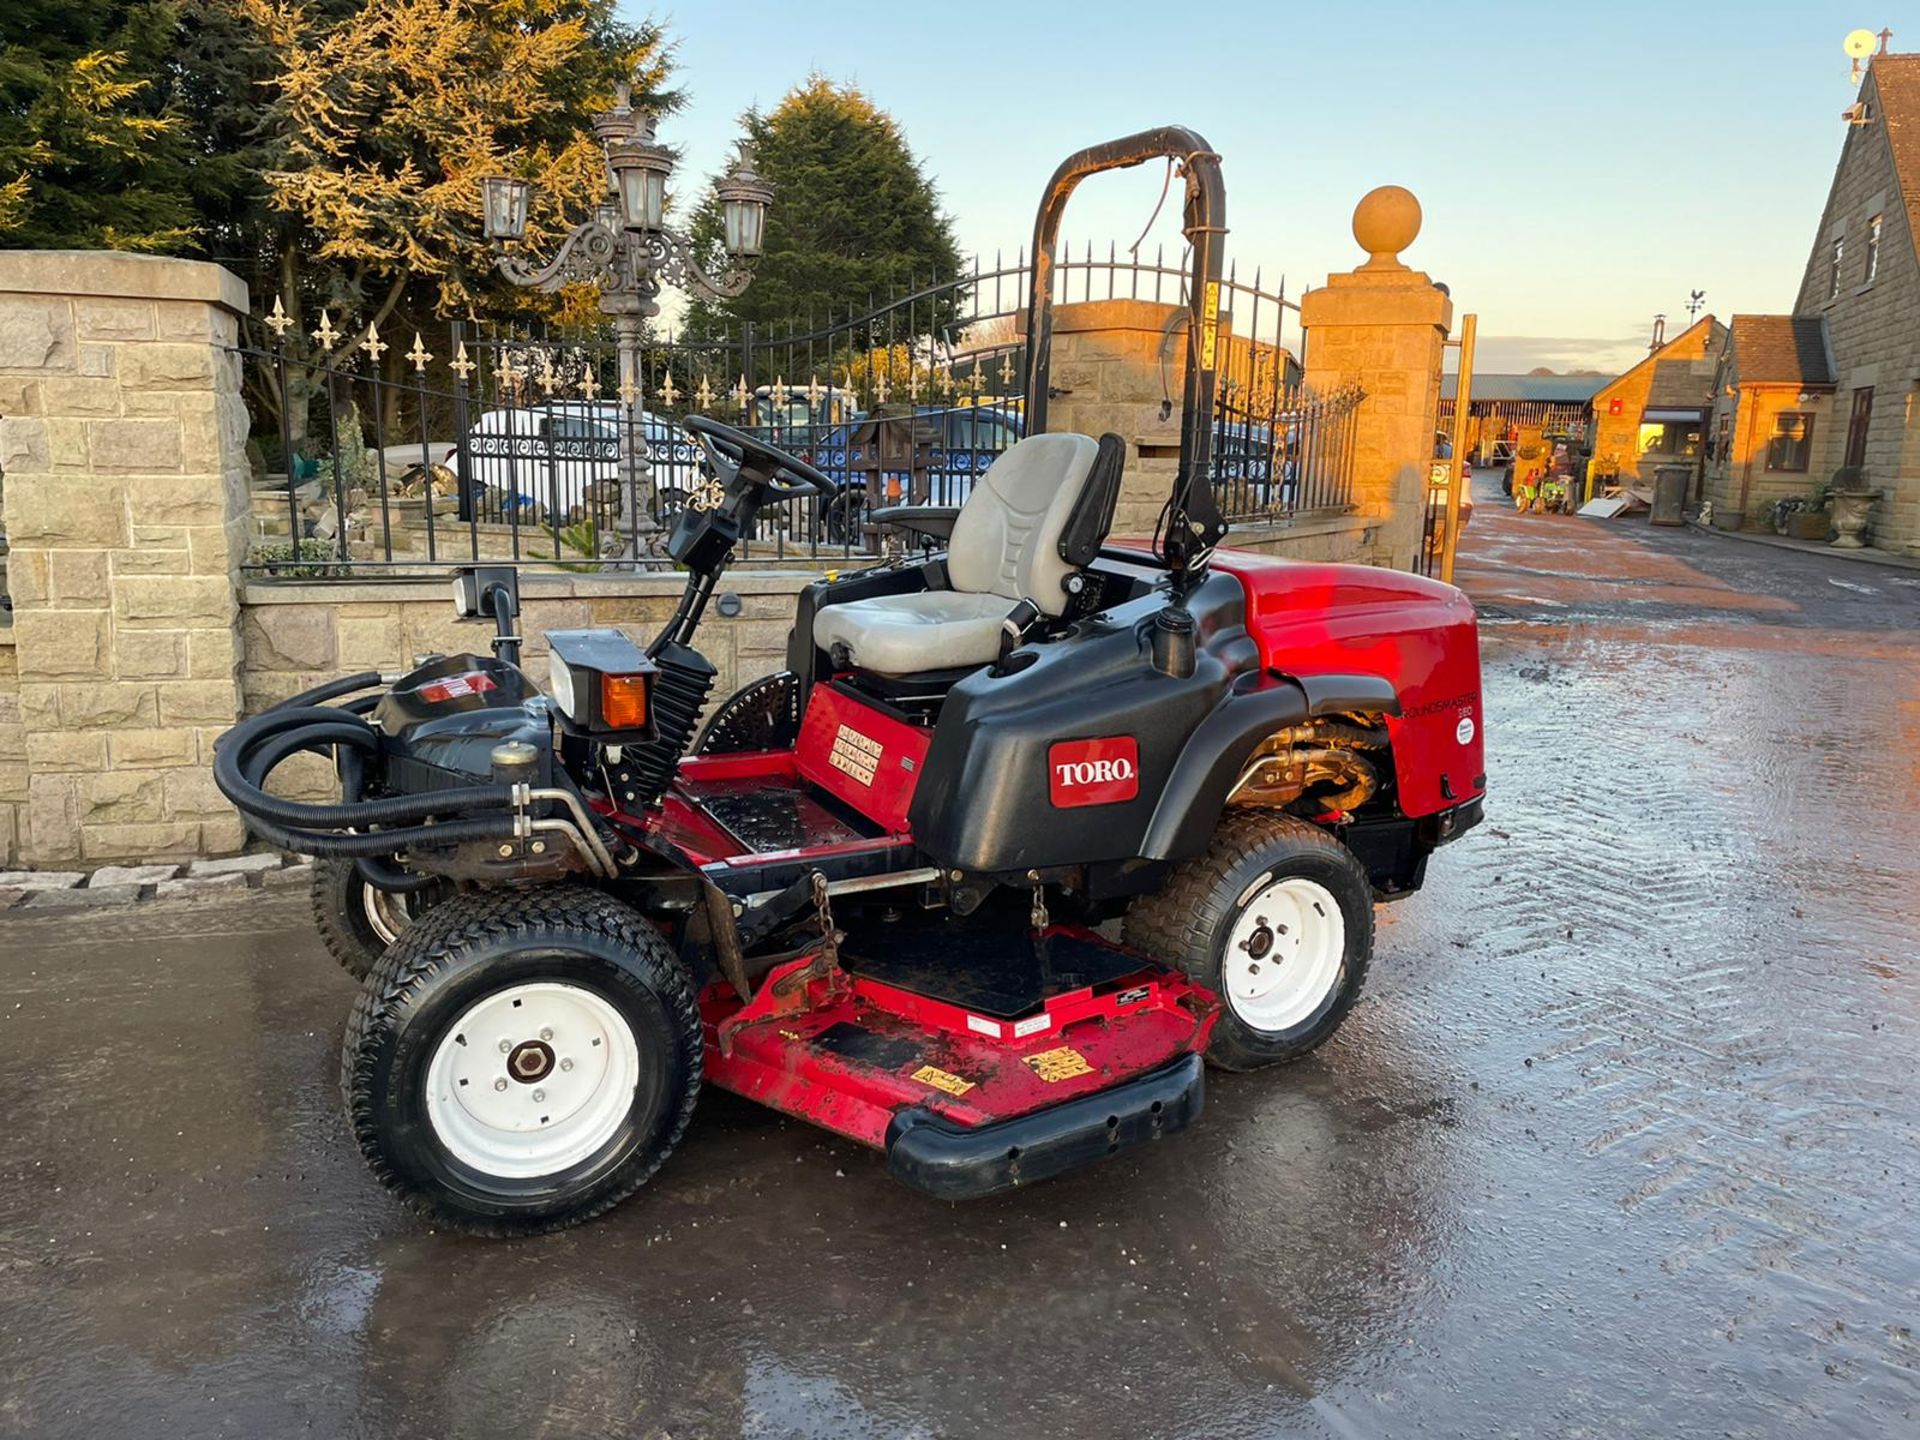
(1418, 634)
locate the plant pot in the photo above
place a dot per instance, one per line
(1850, 509)
(1727, 518)
(1808, 525)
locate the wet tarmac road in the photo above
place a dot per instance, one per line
(1622, 1141)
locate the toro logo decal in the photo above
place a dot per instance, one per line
(1093, 772)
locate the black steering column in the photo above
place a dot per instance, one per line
(747, 474)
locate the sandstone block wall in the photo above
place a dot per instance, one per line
(122, 436)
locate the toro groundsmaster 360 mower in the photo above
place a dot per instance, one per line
(1028, 829)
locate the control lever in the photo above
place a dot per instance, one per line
(1022, 618)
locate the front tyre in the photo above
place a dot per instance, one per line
(522, 1061)
(1277, 919)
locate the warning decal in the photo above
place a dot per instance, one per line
(1053, 1066)
(942, 1080)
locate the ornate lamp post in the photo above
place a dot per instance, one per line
(627, 250)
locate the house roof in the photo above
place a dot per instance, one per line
(1551, 389)
(1897, 79)
(1681, 385)
(1715, 337)
(1782, 349)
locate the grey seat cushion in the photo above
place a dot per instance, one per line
(1005, 548)
(905, 634)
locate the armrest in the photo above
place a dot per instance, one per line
(934, 520)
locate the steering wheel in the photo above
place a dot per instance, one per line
(730, 450)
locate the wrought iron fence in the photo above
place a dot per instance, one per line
(506, 441)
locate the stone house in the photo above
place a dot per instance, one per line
(1861, 288)
(1770, 407)
(1656, 413)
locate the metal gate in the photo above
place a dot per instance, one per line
(503, 441)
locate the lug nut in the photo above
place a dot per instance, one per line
(500, 1084)
(538, 1096)
(506, 852)
(546, 1032)
(566, 1064)
(505, 1046)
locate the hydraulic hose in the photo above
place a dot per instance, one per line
(241, 780)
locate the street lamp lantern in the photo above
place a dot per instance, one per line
(626, 250)
(744, 198)
(640, 167)
(503, 206)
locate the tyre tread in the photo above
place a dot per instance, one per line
(430, 942)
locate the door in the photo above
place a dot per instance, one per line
(1857, 425)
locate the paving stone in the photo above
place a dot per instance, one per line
(294, 877)
(10, 897)
(236, 865)
(200, 885)
(131, 875)
(91, 898)
(41, 879)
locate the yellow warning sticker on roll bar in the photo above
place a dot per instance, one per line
(1209, 324)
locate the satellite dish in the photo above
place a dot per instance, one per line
(1860, 43)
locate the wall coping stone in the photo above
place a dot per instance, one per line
(88, 274)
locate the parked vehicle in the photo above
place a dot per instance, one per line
(563, 460)
(868, 892)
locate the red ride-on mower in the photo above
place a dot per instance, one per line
(1024, 832)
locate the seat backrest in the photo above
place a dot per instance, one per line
(1007, 539)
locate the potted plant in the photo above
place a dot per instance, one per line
(1851, 501)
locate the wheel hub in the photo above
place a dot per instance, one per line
(532, 1079)
(530, 1060)
(1284, 954)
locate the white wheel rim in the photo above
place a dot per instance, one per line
(1284, 953)
(532, 1080)
(386, 913)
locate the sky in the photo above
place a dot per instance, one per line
(1581, 167)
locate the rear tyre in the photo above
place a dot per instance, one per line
(522, 1060)
(1277, 919)
(358, 921)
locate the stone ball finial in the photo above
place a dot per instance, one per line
(1385, 222)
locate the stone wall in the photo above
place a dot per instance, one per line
(1874, 327)
(13, 753)
(122, 437)
(1737, 480)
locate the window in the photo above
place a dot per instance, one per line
(1857, 425)
(1835, 256)
(1791, 445)
(1873, 249)
(1671, 438)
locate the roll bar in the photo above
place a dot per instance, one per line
(1192, 526)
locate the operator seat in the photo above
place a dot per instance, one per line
(1010, 542)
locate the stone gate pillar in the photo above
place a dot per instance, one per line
(122, 461)
(1382, 327)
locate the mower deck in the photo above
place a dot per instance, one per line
(991, 1071)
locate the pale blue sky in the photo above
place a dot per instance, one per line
(1581, 166)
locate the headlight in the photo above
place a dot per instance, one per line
(598, 680)
(560, 686)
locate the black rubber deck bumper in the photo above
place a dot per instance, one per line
(958, 1163)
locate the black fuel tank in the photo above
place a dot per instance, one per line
(441, 723)
(1026, 768)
